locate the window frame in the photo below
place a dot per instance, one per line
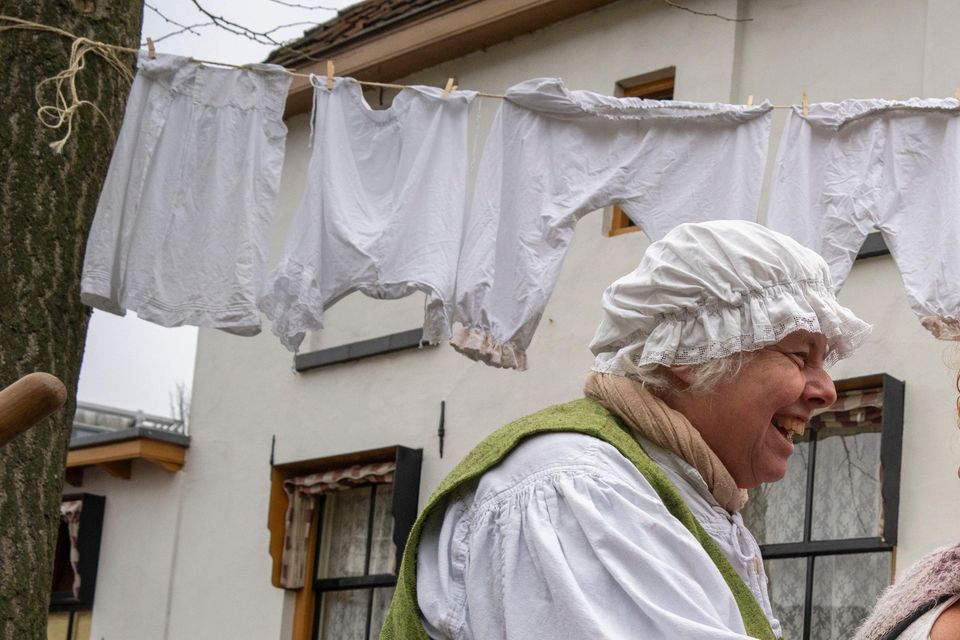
(404, 509)
(88, 546)
(891, 446)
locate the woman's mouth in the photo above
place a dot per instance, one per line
(788, 426)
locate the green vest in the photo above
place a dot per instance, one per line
(581, 416)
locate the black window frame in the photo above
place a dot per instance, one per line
(404, 509)
(891, 446)
(88, 546)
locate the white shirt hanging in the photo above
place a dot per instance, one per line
(181, 229)
(383, 208)
(554, 155)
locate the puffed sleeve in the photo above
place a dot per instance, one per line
(580, 548)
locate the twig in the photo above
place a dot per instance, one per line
(260, 37)
(704, 13)
(303, 6)
(292, 24)
(183, 27)
(179, 31)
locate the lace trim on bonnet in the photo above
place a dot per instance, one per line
(715, 329)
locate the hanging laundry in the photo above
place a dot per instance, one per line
(856, 166)
(383, 208)
(181, 230)
(554, 155)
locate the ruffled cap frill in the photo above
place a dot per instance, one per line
(709, 290)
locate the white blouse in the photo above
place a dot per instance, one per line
(566, 539)
(920, 629)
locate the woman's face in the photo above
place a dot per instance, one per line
(742, 420)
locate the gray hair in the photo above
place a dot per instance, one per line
(704, 378)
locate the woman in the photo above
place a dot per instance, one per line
(616, 516)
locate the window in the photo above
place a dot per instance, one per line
(76, 558)
(827, 531)
(356, 563)
(354, 537)
(659, 89)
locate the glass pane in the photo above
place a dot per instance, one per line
(788, 579)
(774, 512)
(383, 552)
(57, 623)
(846, 487)
(343, 538)
(343, 615)
(81, 625)
(845, 588)
(381, 602)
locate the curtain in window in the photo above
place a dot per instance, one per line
(70, 513)
(302, 492)
(853, 408)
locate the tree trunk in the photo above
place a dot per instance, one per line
(46, 207)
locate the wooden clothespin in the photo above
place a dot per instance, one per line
(151, 50)
(450, 87)
(750, 100)
(330, 74)
(805, 101)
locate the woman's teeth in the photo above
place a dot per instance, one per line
(788, 425)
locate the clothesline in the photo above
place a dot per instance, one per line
(105, 50)
(67, 101)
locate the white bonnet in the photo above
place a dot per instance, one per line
(708, 290)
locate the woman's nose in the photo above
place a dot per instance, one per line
(820, 390)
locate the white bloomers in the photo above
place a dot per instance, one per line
(181, 229)
(383, 208)
(851, 167)
(554, 155)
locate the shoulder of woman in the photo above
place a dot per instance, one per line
(947, 624)
(545, 457)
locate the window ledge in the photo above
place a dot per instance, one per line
(359, 350)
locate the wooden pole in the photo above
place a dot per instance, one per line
(28, 401)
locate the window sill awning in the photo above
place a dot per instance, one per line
(115, 452)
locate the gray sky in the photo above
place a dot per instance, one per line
(129, 363)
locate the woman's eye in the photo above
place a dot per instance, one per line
(799, 358)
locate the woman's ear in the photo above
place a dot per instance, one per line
(681, 376)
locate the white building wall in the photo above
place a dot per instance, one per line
(137, 550)
(245, 390)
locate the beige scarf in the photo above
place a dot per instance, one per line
(650, 416)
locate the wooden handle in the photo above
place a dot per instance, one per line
(28, 401)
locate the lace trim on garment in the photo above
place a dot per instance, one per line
(477, 344)
(941, 327)
(714, 330)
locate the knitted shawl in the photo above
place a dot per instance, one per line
(932, 577)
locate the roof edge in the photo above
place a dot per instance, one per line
(451, 31)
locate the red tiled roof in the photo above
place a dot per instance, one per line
(358, 21)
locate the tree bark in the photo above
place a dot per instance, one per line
(47, 203)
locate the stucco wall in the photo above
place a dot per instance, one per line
(245, 390)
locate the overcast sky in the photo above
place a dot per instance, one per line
(129, 363)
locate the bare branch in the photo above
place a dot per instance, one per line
(676, 5)
(292, 24)
(179, 31)
(183, 27)
(303, 6)
(261, 37)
